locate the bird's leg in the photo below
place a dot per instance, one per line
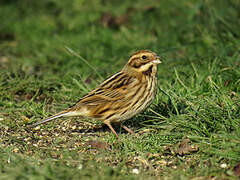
(127, 129)
(110, 126)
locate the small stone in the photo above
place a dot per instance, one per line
(135, 171)
(224, 165)
(37, 128)
(80, 166)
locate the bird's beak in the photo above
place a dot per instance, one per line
(157, 60)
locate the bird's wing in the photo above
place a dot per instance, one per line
(112, 89)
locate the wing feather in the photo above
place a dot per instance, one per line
(110, 90)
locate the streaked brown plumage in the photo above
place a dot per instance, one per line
(121, 96)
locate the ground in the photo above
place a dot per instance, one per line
(53, 52)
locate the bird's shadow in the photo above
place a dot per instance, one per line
(101, 128)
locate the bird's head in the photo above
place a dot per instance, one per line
(143, 61)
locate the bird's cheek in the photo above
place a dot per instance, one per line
(145, 67)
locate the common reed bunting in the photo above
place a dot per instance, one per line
(121, 96)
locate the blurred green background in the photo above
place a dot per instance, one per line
(53, 51)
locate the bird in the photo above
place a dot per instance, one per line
(121, 96)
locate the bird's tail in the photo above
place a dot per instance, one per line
(60, 114)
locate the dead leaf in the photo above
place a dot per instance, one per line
(185, 147)
(88, 80)
(120, 20)
(28, 96)
(5, 114)
(109, 20)
(149, 8)
(236, 170)
(226, 83)
(98, 145)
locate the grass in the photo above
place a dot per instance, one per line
(53, 52)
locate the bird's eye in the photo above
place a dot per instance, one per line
(144, 57)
